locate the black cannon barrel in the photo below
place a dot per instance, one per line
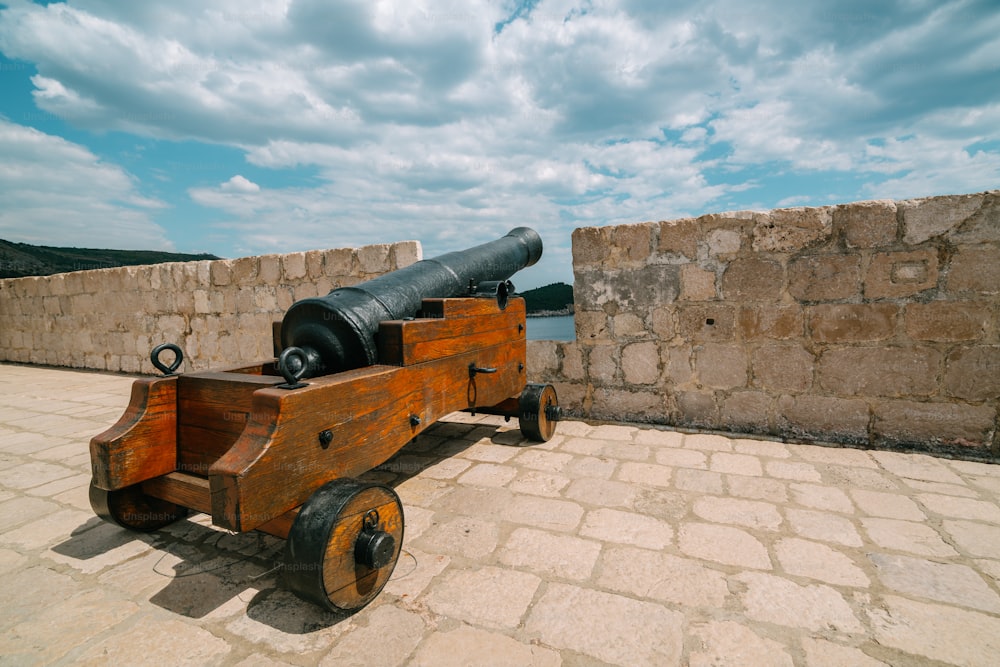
(337, 331)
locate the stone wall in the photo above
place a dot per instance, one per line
(872, 323)
(218, 312)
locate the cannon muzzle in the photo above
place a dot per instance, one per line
(337, 332)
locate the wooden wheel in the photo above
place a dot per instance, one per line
(131, 508)
(344, 544)
(538, 412)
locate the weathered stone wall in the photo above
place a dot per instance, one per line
(218, 312)
(870, 323)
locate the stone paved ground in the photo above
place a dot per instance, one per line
(610, 544)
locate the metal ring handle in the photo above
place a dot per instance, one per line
(154, 356)
(289, 369)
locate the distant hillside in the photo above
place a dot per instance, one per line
(18, 260)
(554, 299)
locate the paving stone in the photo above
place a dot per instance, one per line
(962, 508)
(414, 572)
(68, 623)
(488, 474)
(803, 472)
(583, 446)
(655, 436)
(936, 631)
(591, 466)
(22, 510)
(975, 538)
(989, 484)
(173, 642)
(603, 626)
(627, 528)
(736, 464)
(387, 640)
(822, 498)
(602, 492)
(284, 623)
(887, 505)
(722, 643)
(466, 536)
(864, 478)
(490, 596)
(61, 485)
(816, 607)
(916, 466)
(561, 556)
(445, 469)
(35, 473)
(417, 520)
(625, 451)
(421, 491)
(805, 558)
(10, 561)
(698, 481)
(722, 544)
(48, 530)
(466, 646)
(661, 576)
(943, 582)
(614, 432)
(501, 504)
(748, 513)
(824, 527)
(489, 453)
(757, 488)
(823, 653)
(943, 489)
(836, 455)
(708, 442)
(649, 474)
(682, 458)
(914, 538)
(100, 546)
(538, 483)
(537, 459)
(774, 450)
(28, 591)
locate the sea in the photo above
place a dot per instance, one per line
(551, 328)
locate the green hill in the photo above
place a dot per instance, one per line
(554, 299)
(18, 260)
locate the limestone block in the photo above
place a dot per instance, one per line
(542, 357)
(899, 274)
(973, 373)
(753, 279)
(706, 322)
(852, 322)
(867, 224)
(880, 371)
(591, 325)
(314, 264)
(784, 367)
(374, 259)
(746, 411)
(591, 245)
(947, 321)
(770, 321)
(663, 322)
(975, 269)
(630, 290)
(269, 272)
(293, 267)
(721, 366)
(824, 416)
(572, 361)
(621, 405)
(697, 284)
(631, 244)
(221, 272)
(945, 423)
(243, 271)
(602, 364)
(983, 225)
(627, 325)
(680, 237)
(923, 219)
(641, 363)
(791, 229)
(724, 242)
(697, 408)
(825, 277)
(405, 253)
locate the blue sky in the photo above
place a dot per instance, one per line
(250, 127)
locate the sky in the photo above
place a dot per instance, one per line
(249, 127)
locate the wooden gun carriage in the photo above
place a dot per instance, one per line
(277, 446)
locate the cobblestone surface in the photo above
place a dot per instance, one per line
(610, 544)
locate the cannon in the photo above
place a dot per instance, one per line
(277, 446)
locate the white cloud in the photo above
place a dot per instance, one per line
(423, 118)
(54, 192)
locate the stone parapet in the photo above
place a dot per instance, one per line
(871, 323)
(219, 312)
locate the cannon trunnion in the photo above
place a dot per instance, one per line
(257, 451)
